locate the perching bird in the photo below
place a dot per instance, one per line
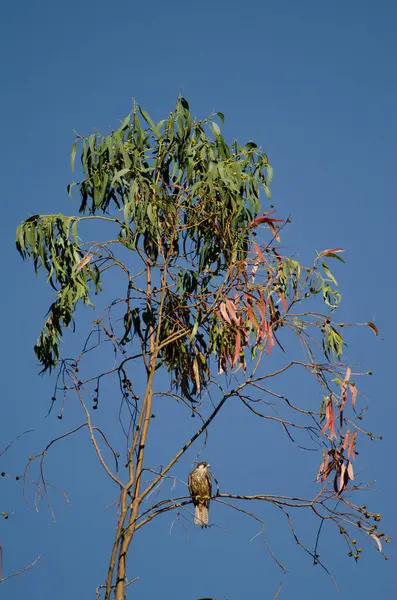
(200, 488)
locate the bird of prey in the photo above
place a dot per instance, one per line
(200, 490)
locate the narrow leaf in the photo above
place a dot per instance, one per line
(237, 349)
(377, 540)
(353, 390)
(323, 471)
(331, 251)
(342, 483)
(330, 419)
(373, 327)
(184, 103)
(259, 252)
(147, 118)
(73, 154)
(274, 231)
(194, 330)
(232, 310)
(350, 452)
(216, 128)
(252, 316)
(264, 219)
(347, 438)
(350, 471)
(84, 262)
(224, 313)
(270, 338)
(119, 175)
(196, 375)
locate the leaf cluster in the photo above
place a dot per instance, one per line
(187, 204)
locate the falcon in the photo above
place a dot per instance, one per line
(200, 489)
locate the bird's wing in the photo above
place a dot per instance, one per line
(189, 483)
(209, 487)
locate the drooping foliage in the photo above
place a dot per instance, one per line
(189, 203)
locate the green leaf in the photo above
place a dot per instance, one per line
(125, 122)
(147, 118)
(222, 117)
(331, 255)
(322, 408)
(184, 103)
(194, 330)
(329, 274)
(73, 155)
(70, 187)
(157, 128)
(120, 144)
(270, 175)
(117, 177)
(216, 128)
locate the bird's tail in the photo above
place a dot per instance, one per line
(201, 515)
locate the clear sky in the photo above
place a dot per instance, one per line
(315, 84)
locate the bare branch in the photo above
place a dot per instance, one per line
(2, 579)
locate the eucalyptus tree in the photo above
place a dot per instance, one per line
(176, 227)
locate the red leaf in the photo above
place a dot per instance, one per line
(244, 330)
(346, 442)
(224, 314)
(84, 262)
(350, 452)
(353, 390)
(264, 219)
(231, 310)
(251, 316)
(270, 338)
(323, 471)
(248, 296)
(261, 304)
(330, 419)
(237, 349)
(259, 252)
(274, 231)
(331, 251)
(257, 221)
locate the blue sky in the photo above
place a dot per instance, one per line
(314, 83)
